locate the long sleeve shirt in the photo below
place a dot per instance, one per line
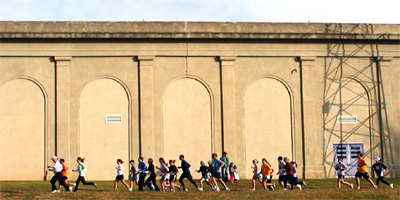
(142, 167)
(151, 170)
(185, 167)
(81, 169)
(378, 168)
(203, 170)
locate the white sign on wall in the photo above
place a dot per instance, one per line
(113, 119)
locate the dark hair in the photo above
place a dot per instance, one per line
(280, 158)
(214, 154)
(132, 161)
(141, 158)
(361, 154)
(286, 158)
(162, 160)
(62, 160)
(294, 163)
(181, 156)
(224, 153)
(172, 161)
(150, 160)
(120, 161)
(81, 159)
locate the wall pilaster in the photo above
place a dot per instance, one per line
(312, 139)
(228, 106)
(62, 106)
(146, 106)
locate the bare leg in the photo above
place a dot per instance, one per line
(358, 182)
(126, 185)
(115, 185)
(371, 182)
(264, 183)
(253, 183)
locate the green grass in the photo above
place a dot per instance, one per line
(316, 189)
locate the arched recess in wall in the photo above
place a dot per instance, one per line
(268, 121)
(104, 141)
(187, 121)
(350, 99)
(23, 130)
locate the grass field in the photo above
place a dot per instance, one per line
(316, 189)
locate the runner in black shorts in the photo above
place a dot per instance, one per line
(364, 175)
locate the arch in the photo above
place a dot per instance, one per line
(129, 96)
(268, 122)
(24, 127)
(350, 97)
(103, 143)
(187, 120)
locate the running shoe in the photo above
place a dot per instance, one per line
(391, 185)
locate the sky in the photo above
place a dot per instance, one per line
(292, 11)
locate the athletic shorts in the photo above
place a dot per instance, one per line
(281, 178)
(256, 176)
(340, 176)
(64, 178)
(165, 177)
(119, 178)
(172, 178)
(217, 175)
(364, 175)
(204, 177)
(134, 176)
(266, 177)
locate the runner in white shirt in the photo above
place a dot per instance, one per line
(120, 175)
(56, 168)
(256, 171)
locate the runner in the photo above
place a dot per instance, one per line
(362, 171)
(151, 183)
(186, 173)
(340, 167)
(217, 165)
(173, 171)
(82, 171)
(64, 176)
(380, 169)
(204, 175)
(120, 175)
(142, 173)
(56, 168)
(133, 175)
(164, 168)
(256, 174)
(266, 172)
(281, 172)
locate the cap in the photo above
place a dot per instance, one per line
(203, 161)
(377, 158)
(255, 160)
(224, 153)
(54, 157)
(210, 161)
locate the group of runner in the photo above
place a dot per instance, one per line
(60, 174)
(212, 172)
(362, 171)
